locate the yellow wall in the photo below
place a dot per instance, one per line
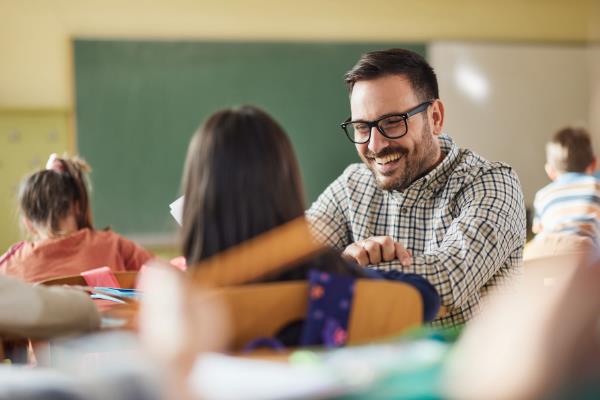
(27, 137)
(35, 35)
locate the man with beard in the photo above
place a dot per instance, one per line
(418, 203)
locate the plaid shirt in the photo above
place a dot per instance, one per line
(464, 223)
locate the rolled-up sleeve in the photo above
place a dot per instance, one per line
(488, 230)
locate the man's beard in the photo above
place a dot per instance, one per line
(415, 165)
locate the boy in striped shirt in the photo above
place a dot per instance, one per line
(567, 211)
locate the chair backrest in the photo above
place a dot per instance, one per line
(383, 308)
(261, 310)
(126, 279)
(380, 309)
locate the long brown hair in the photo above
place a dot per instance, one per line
(48, 196)
(241, 179)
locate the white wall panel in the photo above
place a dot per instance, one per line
(505, 101)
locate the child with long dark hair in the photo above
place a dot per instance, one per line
(242, 179)
(55, 206)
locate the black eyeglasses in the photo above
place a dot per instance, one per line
(391, 126)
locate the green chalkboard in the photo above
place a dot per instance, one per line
(139, 102)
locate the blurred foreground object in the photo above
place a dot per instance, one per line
(559, 244)
(42, 312)
(539, 339)
(396, 370)
(175, 318)
(176, 323)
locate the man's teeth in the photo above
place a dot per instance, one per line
(387, 159)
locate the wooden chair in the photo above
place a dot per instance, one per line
(126, 279)
(380, 309)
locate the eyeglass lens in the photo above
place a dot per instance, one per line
(393, 127)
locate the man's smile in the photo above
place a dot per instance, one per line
(387, 159)
(386, 164)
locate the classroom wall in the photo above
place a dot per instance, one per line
(505, 101)
(35, 41)
(35, 34)
(27, 136)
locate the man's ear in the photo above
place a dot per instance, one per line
(437, 115)
(551, 172)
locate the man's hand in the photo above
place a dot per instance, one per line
(375, 250)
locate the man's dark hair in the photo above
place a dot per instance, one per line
(570, 150)
(377, 64)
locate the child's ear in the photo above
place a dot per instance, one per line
(551, 172)
(29, 226)
(76, 210)
(592, 167)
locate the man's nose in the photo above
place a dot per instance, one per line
(377, 142)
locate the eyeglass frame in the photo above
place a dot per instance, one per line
(375, 123)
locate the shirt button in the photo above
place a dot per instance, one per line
(404, 210)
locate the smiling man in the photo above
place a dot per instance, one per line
(418, 203)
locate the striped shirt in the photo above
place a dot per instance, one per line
(570, 204)
(464, 223)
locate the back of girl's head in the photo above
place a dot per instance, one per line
(241, 179)
(49, 195)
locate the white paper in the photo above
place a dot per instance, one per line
(222, 377)
(176, 209)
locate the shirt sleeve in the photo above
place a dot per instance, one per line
(41, 312)
(536, 226)
(7, 257)
(489, 229)
(327, 217)
(134, 256)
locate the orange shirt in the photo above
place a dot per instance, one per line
(83, 250)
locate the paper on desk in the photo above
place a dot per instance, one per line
(101, 296)
(176, 209)
(217, 376)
